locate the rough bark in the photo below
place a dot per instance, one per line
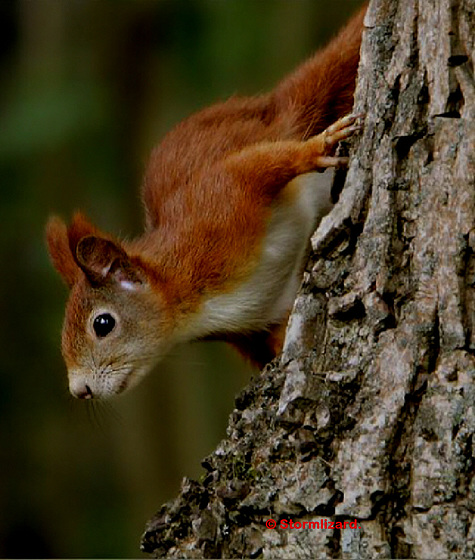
(369, 414)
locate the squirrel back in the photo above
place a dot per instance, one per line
(231, 200)
(331, 72)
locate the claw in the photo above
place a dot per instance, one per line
(323, 162)
(340, 130)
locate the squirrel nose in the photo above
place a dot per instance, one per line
(82, 391)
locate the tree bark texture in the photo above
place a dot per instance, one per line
(369, 414)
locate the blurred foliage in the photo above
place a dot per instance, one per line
(88, 87)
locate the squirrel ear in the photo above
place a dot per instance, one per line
(80, 227)
(102, 260)
(59, 249)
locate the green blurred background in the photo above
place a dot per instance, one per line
(87, 88)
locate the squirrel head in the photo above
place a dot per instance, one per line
(114, 327)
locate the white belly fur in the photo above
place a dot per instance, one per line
(267, 296)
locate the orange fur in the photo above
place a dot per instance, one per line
(211, 190)
(192, 202)
(60, 251)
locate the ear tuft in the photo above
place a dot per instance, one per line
(83, 247)
(103, 260)
(80, 227)
(57, 241)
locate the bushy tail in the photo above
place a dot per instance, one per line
(321, 90)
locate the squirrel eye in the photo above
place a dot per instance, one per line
(103, 324)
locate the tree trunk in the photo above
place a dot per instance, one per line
(369, 414)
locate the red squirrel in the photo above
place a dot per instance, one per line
(231, 202)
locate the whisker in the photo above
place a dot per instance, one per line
(98, 415)
(89, 407)
(110, 412)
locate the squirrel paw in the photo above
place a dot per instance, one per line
(327, 140)
(340, 130)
